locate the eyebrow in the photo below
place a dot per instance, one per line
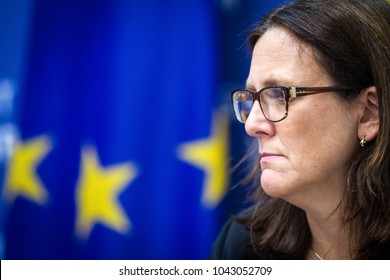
(270, 82)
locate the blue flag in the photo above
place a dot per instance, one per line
(120, 141)
(123, 150)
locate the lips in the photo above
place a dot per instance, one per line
(264, 155)
(267, 158)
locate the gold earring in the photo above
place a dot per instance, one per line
(363, 141)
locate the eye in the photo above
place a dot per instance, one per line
(275, 94)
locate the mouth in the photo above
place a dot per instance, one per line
(269, 157)
(265, 155)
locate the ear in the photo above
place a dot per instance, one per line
(369, 121)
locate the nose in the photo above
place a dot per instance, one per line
(257, 125)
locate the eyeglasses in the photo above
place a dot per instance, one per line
(273, 100)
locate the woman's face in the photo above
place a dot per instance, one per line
(304, 158)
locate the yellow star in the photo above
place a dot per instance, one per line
(22, 178)
(97, 194)
(211, 155)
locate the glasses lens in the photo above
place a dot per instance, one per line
(273, 103)
(242, 104)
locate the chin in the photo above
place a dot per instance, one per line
(274, 185)
(272, 192)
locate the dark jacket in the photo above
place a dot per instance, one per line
(232, 243)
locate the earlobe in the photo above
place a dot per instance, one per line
(369, 121)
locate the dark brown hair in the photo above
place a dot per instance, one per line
(351, 41)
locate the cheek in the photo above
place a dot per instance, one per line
(323, 136)
(302, 140)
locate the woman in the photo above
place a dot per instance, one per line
(317, 100)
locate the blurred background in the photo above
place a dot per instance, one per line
(117, 138)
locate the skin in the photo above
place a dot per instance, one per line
(304, 158)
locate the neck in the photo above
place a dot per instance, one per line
(329, 237)
(318, 256)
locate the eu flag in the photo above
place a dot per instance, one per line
(117, 138)
(123, 148)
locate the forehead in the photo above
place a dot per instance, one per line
(278, 58)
